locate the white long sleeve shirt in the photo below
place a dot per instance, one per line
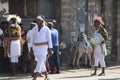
(44, 35)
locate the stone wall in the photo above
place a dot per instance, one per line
(108, 9)
(94, 9)
(69, 16)
(68, 22)
(114, 28)
(118, 31)
(108, 21)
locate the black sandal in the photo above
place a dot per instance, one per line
(94, 74)
(101, 74)
(46, 79)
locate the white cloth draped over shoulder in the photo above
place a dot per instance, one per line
(97, 41)
(97, 38)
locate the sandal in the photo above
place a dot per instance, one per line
(101, 74)
(94, 74)
(46, 79)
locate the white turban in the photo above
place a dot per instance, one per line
(40, 18)
(54, 21)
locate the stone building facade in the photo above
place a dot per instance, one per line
(74, 11)
(75, 16)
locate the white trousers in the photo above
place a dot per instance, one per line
(41, 64)
(99, 56)
(40, 53)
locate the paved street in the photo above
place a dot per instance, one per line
(112, 73)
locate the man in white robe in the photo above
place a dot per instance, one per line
(40, 44)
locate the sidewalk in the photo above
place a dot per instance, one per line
(112, 73)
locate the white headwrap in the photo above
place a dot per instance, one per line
(54, 21)
(40, 18)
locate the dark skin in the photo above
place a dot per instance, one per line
(40, 25)
(96, 24)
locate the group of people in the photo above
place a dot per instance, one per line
(10, 39)
(42, 40)
(51, 44)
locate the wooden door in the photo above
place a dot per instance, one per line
(24, 8)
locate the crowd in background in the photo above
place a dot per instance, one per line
(25, 61)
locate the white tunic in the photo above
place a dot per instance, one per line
(44, 35)
(40, 52)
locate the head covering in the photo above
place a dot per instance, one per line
(98, 18)
(14, 17)
(50, 23)
(40, 18)
(54, 21)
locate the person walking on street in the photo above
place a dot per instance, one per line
(40, 44)
(99, 39)
(54, 59)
